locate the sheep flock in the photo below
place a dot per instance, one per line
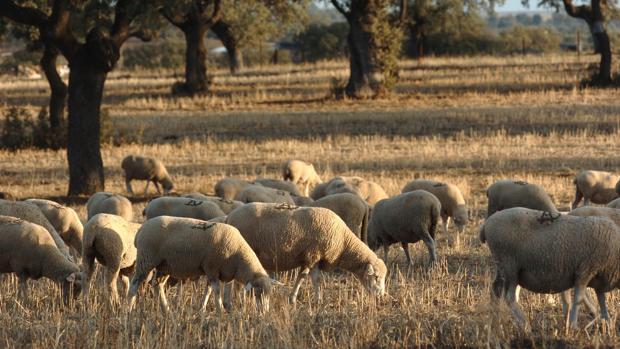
(243, 234)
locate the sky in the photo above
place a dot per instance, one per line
(515, 5)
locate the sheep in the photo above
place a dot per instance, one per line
(589, 211)
(309, 238)
(258, 193)
(279, 185)
(405, 218)
(225, 205)
(547, 252)
(66, 222)
(319, 191)
(507, 193)
(148, 169)
(595, 186)
(228, 188)
(301, 200)
(353, 210)
(109, 239)
(367, 190)
(614, 204)
(32, 213)
(182, 207)
(28, 250)
(452, 202)
(301, 173)
(186, 247)
(104, 202)
(5, 195)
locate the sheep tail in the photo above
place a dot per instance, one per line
(483, 237)
(435, 213)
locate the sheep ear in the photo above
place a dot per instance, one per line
(276, 282)
(248, 287)
(71, 277)
(370, 270)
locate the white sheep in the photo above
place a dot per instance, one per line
(508, 193)
(104, 202)
(452, 202)
(309, 238)
(319, 191)
(182, 207)
(228, 188)
(28, 250)
(353, 210)
(301, 173)
(591, 211)
(279, 185)
(66, 222)
(225, 205)
(109, 239)
(614, 204)
(367, 190)
(32, 213)
(405, 218)
(186, 247)
(258, 193)
(547, 252)
(148, 169)
(595, 186)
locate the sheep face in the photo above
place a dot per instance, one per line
(167, 184)
(262, 290)
(461, 218)
(372, 276)
(71, 287)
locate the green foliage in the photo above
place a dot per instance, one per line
(20, 131)
(387, 39)
(323, 41)
(164, 54)
(531, 39)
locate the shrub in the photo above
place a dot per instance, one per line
(166, 54)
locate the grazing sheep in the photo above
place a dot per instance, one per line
(405, 218)
(109, 240)
(103, 202)
(66, 222)
(220, 219)
(353, 210)
(32, 213)
(452, 202)
(225, 205)
(547, 252)
(279, 185)
(302, 200)
(367, 190)
(595, 186)
(182, 207)
(258, 193)
(148, 169)
(614, 204)
(301, 173)
(590, 211)
(228, 188)
(309, 238)
(507, 193)
(185, 248)
(319, 191)
(28, 250)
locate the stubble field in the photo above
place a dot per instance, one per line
(469, 121)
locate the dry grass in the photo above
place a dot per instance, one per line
(466, 121)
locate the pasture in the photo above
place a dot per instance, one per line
(468, 121)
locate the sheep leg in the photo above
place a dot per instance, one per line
(203, 308)
(161, 292)
(125, 281)
(307, 189)
(430, 245)
(111, 278)
(589, 304)
(445, 220)
(406, 249)
(600, 296)
(138, 278)
(386, 248)
(515, 308)
(497, 287)
(128, 186)
(315, 276)
(227, 295)
(157, 187)
(22, 289)
(578, 197)
(586, 202)
(574, 311)
(218, 295)
(88, 265)
(300, 278)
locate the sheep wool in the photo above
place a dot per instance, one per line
(182, 207)
(507, 193)
(104, 202)
(66, 222)
(148, 169)
(595, 186)
(353, 210)
(301, 173)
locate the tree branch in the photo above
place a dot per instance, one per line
(216, 14)
(59, 30)
(125, 12)
(141, 34)
(403, 13)
(583, 12)
(340, 8)
(177, 21)
(22, 14)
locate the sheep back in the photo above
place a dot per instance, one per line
(182, 207)
(104, 202)
(597, 186)
(507, 193)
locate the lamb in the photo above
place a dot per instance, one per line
(595, 186)
(309, 238)
(104, 202)
(452, 202)
(31, 213)
(589, 211)
(182, 207)
(367, 190)
(228, 188)
(353, 210)
(614, 204)
(66, 222)
(258, 193)
(279, 185)
(301, 173)
(507, 193)
(148, 169)
(405, 218)
(547, 252)
(319, 191)
(28, 250)
(225, 205)
(109, 239)
(212, 249)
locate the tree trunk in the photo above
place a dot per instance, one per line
(366, 76)
(223, 32)
(57, 86)
(601, 39)
(195, 59)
